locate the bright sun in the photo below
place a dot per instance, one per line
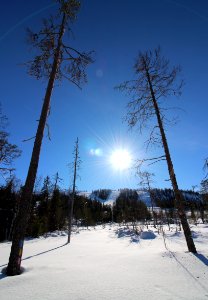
(120, 159)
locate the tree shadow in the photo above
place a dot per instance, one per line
(190, 274)
(202, 258)
(31, 256)
(3, 271)
(2, 275)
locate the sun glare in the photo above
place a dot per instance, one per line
(120, 159)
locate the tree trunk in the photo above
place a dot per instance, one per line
(151, 199)
(71, 205)
(178, 195)
(20, 225)
(152, 209)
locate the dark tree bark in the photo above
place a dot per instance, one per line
(14, 265)
(178, 195)
(156, 81)
(56, 61)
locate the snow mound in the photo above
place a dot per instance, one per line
(176, 234)
(128, 233)
(56, 233)
(195, 234)
(134, 239)
(123, 232)
(147, 235)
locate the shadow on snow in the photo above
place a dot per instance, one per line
(3, 275)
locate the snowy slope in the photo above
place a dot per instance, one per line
(112, 197)
(144, 196)
(91, 196)
(85, 194)
(112, 264)
(110, 200)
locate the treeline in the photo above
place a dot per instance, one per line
(165, 197)
(49, 211)
(8, 209)
(194, 202)
(129, 207)
(51, 205)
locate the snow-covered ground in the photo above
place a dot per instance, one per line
(110, 263)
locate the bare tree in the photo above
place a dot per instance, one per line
(155, 81)
(76, 165)
(146, 181)
(55, 60)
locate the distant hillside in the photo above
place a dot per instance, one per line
(161, 196)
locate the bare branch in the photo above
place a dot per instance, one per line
(7, 169)
(73, 49)
(156, 161)
(72, 81)
(26, 140)
(140, 162)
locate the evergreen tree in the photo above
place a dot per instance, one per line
(55, 222)
(204, 194)
(8, 207)
(129, 208)
(44, 205)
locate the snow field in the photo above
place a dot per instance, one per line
(110, 263)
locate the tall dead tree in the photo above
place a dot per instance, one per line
(72, 195)
(55, 60)
(155, 81)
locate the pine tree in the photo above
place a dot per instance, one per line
(55, 61)
(55, 211)
(154, 82)
(8, 203)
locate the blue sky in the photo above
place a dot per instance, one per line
(116, 30)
